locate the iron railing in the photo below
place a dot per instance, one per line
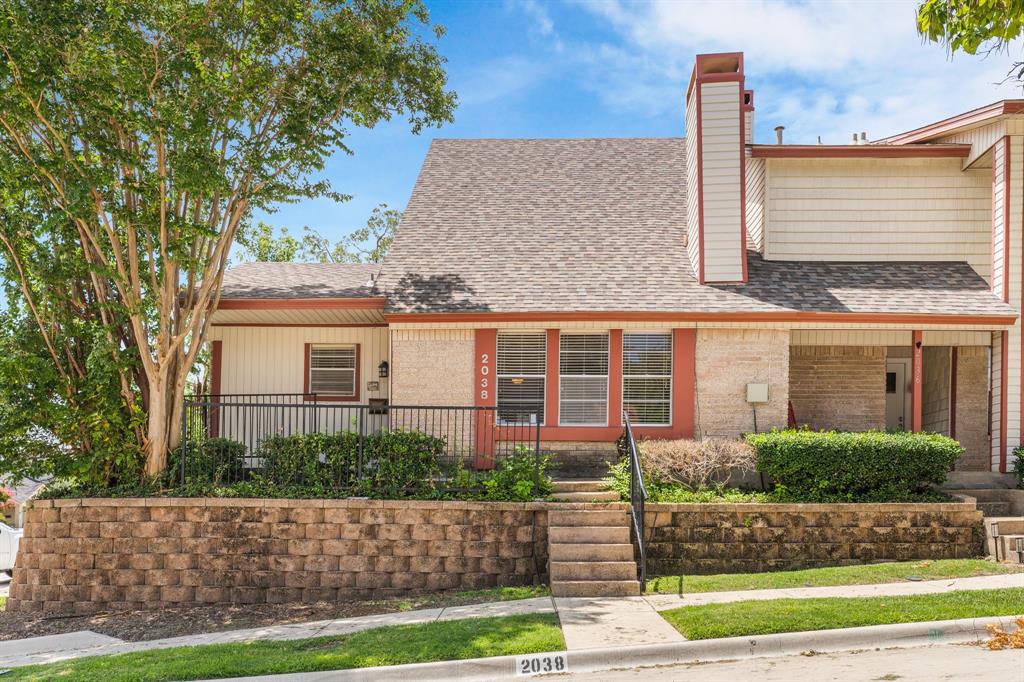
(473, 438)
(637, 497)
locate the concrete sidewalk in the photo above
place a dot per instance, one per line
(662, 602)
(85, 643)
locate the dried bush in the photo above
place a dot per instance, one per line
(697, 463)
(1001, 639)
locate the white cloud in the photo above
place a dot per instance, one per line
(819, 68)
(498, 79)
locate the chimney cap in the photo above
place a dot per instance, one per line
(778, 134)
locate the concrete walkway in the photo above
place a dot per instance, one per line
(85, 643)
(662, 602)
(603, 622)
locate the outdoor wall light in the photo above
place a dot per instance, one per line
(382, 369)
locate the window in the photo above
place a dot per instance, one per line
(647, 378)
(522, 363)
(332, 371)
(583, 379)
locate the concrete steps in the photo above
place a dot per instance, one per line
(590, 554)
(990, 509)
(1004, 538)
(582, 490)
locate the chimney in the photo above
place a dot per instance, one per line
(717, 109)
(778, 134)
(748, 116)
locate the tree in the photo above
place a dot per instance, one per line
(973, 26)
(143, 133)
(259, 244)
(368, 244)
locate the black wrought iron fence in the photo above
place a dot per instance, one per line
(232, 437)
(637, 498)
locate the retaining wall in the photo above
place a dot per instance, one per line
(741, 538)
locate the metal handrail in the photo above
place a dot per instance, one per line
(637, 497)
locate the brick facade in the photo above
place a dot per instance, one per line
(972, 407)
(838, 387)
(80, 556)
(731, 538)
(728, 360)
(936, 365)
(432, 367)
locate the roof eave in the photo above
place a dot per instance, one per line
(867, 151)
(950, 125)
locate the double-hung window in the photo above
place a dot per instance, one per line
(583, 379)
(522, 364)
(647, 377)
(332, 371)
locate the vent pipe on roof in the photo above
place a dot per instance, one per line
(778, 134)
(819, 140)
(854, 141)
(863, 138)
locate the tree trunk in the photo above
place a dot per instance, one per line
(158, 426)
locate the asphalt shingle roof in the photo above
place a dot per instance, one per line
(299, 280)
(589, 225)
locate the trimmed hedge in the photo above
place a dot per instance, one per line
(870, 466)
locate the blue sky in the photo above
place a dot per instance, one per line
(608, 68)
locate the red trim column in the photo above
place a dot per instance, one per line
(917, 382)
(1004, 370)
(953, 369)
(615, 378)
(551, 379)
(216, 365)
(485, 392)
(684, 381)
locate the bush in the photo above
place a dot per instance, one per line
(314, 460)
(871, 466)
(662, 489)
(215, 460)
(697, 464)
(1018, 464)
(516, 477)
(395, 462)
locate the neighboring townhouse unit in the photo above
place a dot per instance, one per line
(706, 285)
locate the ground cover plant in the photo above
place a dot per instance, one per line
(394, 645)
(735, 619)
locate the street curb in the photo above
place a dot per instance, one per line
(730, 648)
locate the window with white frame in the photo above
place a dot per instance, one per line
(583, 379)
(332, 370)
(521, 365)
(647, 377)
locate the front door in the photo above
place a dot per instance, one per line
(897, 393)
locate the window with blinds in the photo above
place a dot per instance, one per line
(332, 370)
(583, 379)
(647, 377)
(521, 365)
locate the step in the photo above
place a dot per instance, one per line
(592, 570)
(614, 535)
(587, 551)
(1008, 525)
(604, 517)
(607, 496)
(1008, 549)
(994, 508)
(595, 588)
(579, 485)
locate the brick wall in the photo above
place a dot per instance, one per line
(972, 407)
(730, 538)
(728, 360)
(432, 367)
(89, 555)
(935, 389)
(838, 387)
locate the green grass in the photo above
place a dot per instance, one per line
(867, 574)
(710, 621)
(394, 645)
(3, 603)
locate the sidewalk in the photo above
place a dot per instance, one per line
(588, 624)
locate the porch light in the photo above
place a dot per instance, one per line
(382, 369)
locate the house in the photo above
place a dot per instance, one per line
(707, 285)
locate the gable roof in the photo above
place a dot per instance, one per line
(947, 126)
(598, 225)
(299, 280)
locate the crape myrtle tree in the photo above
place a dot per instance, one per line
(973, 26)
(136, 138)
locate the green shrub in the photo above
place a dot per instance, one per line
(871, 466)
(1018, 464)
(215, 460)
(396, 462)
(517, 478)
(662, 489)
(315, 460)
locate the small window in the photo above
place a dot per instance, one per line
(332, 371)
(522, 365)
(583, 379)
(890, 382)
(647, 378)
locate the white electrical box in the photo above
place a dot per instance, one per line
(757, 393)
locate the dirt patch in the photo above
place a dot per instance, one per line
(137, 626)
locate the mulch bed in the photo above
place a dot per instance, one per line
(137, 626)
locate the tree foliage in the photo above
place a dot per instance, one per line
(971, 25)
(136, 137)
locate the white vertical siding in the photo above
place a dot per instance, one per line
(755, 204)
(272, 359)
(879, 209)
(997, 229)
(981, 139)
(721, 172)
(693, 183)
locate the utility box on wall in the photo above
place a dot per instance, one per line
(757, 393)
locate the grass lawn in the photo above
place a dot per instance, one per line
(868, 574)
(710, 621)
(394, 645)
